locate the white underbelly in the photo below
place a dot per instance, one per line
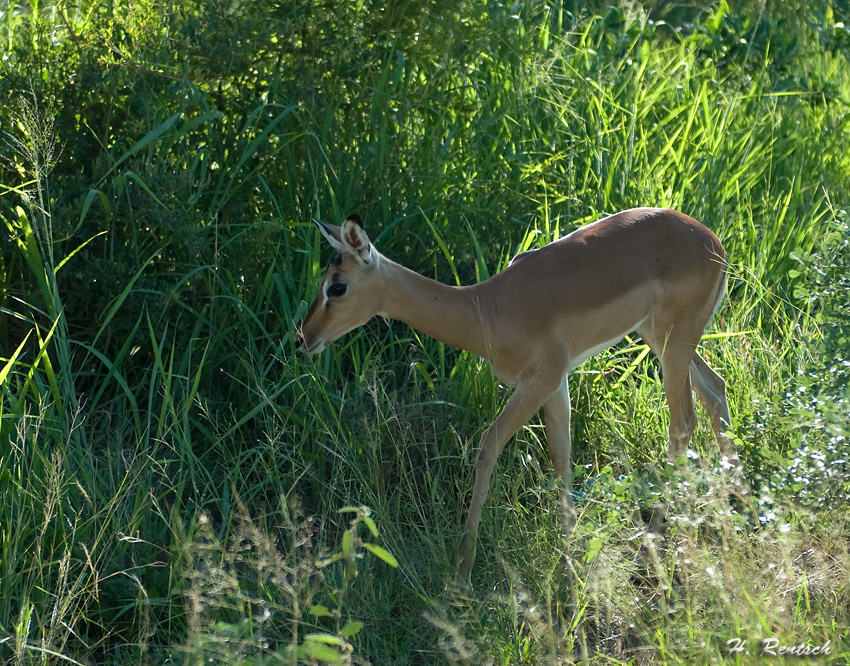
(582, 356)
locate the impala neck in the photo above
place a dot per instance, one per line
(452, 315)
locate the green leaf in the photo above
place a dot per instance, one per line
(423, 371)
(715, 20)
(347, 543)
(313, 648)
(319, 611)
(77, 249)
(4, 371)
(327, 639)
(593, 549)
(373, 528)
(351, 629)
(381, 553)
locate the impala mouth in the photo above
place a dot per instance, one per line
(316, 348)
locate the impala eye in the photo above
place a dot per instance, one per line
(335, 290)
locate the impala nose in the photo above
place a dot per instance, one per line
(299, 341)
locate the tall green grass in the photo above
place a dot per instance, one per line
(171, 473)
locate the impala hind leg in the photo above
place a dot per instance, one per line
(521, 406)
(556, 411)
(711, 390)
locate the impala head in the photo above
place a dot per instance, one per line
(348, 297)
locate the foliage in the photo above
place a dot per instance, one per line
(159, 166)
(824, 281)
(252, 601)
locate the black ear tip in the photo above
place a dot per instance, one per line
(356, 219)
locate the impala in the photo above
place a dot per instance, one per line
(657, 272)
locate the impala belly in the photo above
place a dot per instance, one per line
(593, 351)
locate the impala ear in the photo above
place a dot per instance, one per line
(332, 233)
(355, 240)
(349, 238)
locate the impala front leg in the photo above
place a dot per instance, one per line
(521, 406)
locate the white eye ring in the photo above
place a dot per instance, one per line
(330, 290)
